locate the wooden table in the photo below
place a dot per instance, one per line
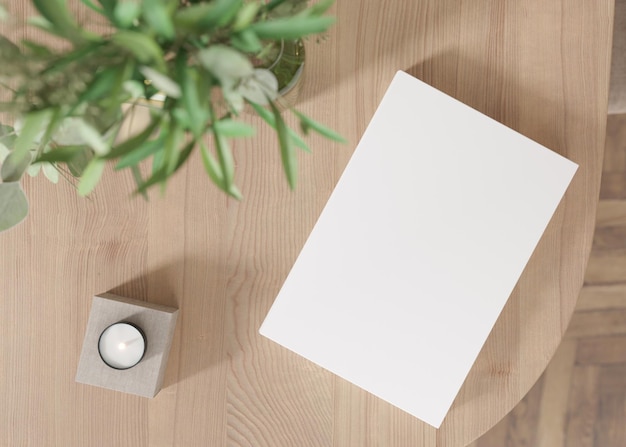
(539, 67)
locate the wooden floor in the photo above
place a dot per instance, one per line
(580, 401)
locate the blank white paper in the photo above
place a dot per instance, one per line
(418, 249)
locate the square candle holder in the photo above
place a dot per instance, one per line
(157, 323)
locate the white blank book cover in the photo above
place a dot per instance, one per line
(418, 249)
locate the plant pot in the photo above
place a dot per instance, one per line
(287, 64)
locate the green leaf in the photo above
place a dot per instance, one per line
(228, 65)
(13, 205)
(34, 125)
(260, 88)
(108, 6)
(45, 25)
(7, 136)
(268, 117)
(4, 153)
(196, 114)
(157, 177)
(161, 82)
(80, 161)
(13, 168)
(138, 179)
(211, 166)
(92, 137)
(319, 8)
(142, 152)
(307, 123)
(286, 149)
(170, 147)
(133, 142)
(184, 154)
(225, 157)
(272, 4)
(51, 172)
(157, 16)
(62, 154)
(70, 57)
(91, 176)
(246, 15)
(58, 14)
(126, 13)
(92, 6)
(142, 46)
(214, 171)
(292, 27)
(134, 88)
(230, 128)
(103, 83)
(205, 17)
(161, 174)
(3, 14)
(246, 41)
(36, 49)
(9, 49)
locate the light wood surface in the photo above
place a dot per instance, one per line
(580, 400)
(539, 67)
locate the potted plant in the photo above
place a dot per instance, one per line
(207, 59)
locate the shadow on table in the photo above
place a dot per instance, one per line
(194, 286)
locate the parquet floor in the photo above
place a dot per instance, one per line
(580, 401)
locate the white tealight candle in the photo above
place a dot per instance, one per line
(122, 345)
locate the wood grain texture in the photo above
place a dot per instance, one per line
(583, 390)
(539, 67)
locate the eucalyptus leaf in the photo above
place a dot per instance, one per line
(138, 180)
(246, 15)
(142, 46)
(31, 131)
(157, 16)
(13, 167)
(140, 153)
(161, 82)
(319, 8)
(132, 143)
(286, 149)
(307, 123)
(269, 118)
(13, 205)
(234, 99)
(91, 176)
(109, 6)
(103, 83)
(230, 128)
(58, 14)
(212, 167)
(126, 13)
(133, 88)
(4, 153)
(246, 40)
(51, 172)
(92, 137)
(228, 65)
(292, 27)
(196, 113)
(259, 88)
(60, 154)
(92, 6)
(225, 157)
(80, 161)
(205, 17)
